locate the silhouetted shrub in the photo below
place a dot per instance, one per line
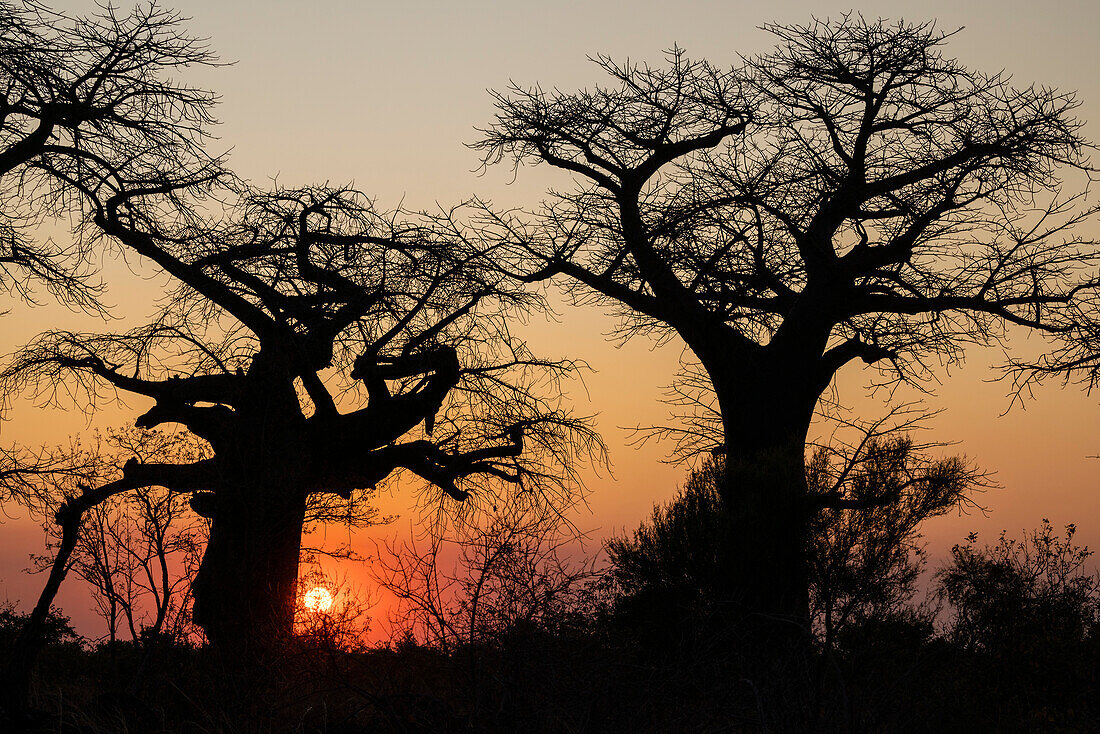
(1020, 593)
(57, 629)
(662, 578)
(1023, 650)
(864, 553)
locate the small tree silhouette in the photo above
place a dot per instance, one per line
(57, 486)
(140, 551)
(475, 579)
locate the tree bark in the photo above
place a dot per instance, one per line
(245, 589)
(764, 598)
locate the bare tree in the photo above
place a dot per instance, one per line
(81, 89)
(851, 195)
(415, 573)
(481, 582)
(336, 621)
(471, 580)
(319, 346)
(140, 551)
(57, 485)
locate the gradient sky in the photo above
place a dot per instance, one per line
(385, 95)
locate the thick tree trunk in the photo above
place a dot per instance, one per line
(245, 589)
(765, 602)
(766, 417)
(765, 499)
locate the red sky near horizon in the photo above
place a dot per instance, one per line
(386, 96)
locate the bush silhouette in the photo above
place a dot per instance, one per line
(864, 555)
(1019, 594)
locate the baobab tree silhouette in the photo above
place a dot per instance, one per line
(851, 195)
(319, 346)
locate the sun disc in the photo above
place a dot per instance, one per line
(318, 599)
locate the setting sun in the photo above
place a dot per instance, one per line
(318, 599)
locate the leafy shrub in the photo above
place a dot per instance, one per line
(1021, 592)
(57, 628)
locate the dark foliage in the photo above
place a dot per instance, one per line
(57, 629)
(1017, 646)
(1022, 593)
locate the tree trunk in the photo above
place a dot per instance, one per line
(15, 686)
(766, 417)
(764, 497)
(245, 589)
(765, 599)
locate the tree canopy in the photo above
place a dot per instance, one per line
(852, 194)
(82, 93)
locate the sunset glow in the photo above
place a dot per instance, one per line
(619, 367)
(318, 599)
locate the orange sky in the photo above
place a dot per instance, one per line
(385, 94)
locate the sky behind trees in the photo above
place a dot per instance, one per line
(385, 95)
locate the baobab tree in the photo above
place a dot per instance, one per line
(319, 346)
(852, 195)
(76, 89)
